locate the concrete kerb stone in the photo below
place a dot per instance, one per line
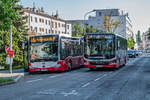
(15, 80)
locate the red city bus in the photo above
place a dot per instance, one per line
(104, 50)
(54, 53)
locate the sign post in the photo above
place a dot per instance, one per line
(11, 49)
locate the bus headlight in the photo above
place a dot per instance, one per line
(58, 65)
(113, 62)
(31, 67)
(86, 63)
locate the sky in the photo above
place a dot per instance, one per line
(75, 9)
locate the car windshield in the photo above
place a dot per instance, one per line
(44, 51)
(102, 48)
(131, 51)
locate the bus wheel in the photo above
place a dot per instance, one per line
(91, 68)
(69, 66)
(31, 73)
(26, 70)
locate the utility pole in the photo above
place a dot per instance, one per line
(11, 59)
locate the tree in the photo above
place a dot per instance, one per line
(5, 41)
(131, 43)
(109, 24)
(138, 37)
(148, 34)
(90, 29)
(77, 30)
(11, 14)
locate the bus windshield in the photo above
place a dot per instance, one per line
(44, 51)
(101, 48)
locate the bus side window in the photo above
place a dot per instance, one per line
(118, 44)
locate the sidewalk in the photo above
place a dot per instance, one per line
(16, 75)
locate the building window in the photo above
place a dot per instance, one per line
(46, 22)
(55, 25)
(58, 24)
(31, 18)
(52, 24)
(59, 32)
(40, 20)
(52, 31)
(36, 19)
(36, 29)
(100, 13)
(49, 31)
(49, 22)
(31, 28)
(40, 29)
(63, 25)
(56, 32)
(43, 20)
(43, 29)
(67, 26)
(46, 31)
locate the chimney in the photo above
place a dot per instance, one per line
(57, 16)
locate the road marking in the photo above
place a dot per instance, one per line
(85, 85)
(54, 76)
(17, 78)
(34, 80)
(101, 77)
(73, 92)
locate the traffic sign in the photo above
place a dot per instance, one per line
(10, 53)
(7, 48)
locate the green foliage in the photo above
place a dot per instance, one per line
(131, 43)
(7, 13)
(138, 37)
(17, 42)
(148, 34)
(11, 14)
(3, 80)
(90, 29)
(110, 25)
(77, 30)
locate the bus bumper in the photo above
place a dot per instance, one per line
(102, 66)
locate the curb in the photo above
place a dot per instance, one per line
(14, 80)
(7, 83)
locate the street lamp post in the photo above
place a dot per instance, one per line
(11, 48)
(85, 18)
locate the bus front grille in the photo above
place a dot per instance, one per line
(99, 63)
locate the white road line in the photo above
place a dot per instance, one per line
(34, 80)
(100, 77)
(54, 76)
(17, 78)
(85, 85)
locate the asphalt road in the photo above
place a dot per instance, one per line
(131, 82)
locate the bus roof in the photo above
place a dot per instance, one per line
(105, 34)
(65, 35)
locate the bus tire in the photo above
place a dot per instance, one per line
(26, 70)
(91, 68)
(69, 66)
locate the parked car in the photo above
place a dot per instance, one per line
(131, 54)
(136, 52)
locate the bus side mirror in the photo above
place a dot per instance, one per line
(81, 39)
(23, 44)
(118, 44)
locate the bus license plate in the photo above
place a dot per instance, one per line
(99, 66)
(44, 70)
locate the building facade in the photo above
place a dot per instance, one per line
(40, 23)
(146, 41)
(124, 28)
